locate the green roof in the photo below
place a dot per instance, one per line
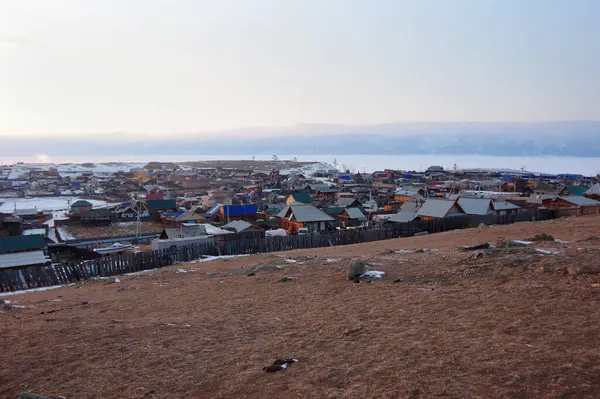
(21, 243)
(302, 197)
(578, 190)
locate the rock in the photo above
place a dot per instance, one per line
(541, 237)
(582, 269)
(483, 245)
(356, 269)
(482, 225)
(596, 285)
(287, 278)
(421, 233)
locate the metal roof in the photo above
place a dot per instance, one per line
(304, 213)
(20, 259)
(355, 213)
(410, 206)
(580, 201)
(435, 208)
(475, 206)
(595, 189)
(238, 225)
(504, 206)
(346, 202)
(21, 243)
(302, 196)
(402, 217)
(26, 212)
(184, 232)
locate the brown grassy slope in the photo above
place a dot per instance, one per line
(512, 325)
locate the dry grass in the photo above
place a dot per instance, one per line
(510, 325)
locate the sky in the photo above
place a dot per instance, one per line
(162, 67)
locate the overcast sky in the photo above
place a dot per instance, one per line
(165, 66)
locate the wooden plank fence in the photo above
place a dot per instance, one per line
(66, 273)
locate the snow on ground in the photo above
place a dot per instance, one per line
(43, 203)
(52, 287)
(211, 258)
(74, 169)
(310, 169)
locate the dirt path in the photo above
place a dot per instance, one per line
(507, 324)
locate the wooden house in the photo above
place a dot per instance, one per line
(302, 197)
(593, 192)
(296, 216)
(438, 209)
(352, 217)
(405, 195)
(81, 208)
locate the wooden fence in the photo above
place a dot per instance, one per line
(57, 274)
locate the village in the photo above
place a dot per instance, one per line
(168, 206)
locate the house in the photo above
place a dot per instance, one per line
(194, 183)
(351, 217)
(26, 214)
(303, 197)
(476, 206)
(296, 216)
(236, 212)
(539, 201)
(348, 202)
(81, 207)
(240, 226)
(405, 195)
(273, 209)
(407, 212)
(10, 225)
(194, 215)
(585, 206)
(22, 251)
(505, 207)
(578, 190)
(435, 169)
(593, 192)
(438, 208)
(155, 206)
(548, 189)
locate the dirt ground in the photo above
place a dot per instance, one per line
(505, 323)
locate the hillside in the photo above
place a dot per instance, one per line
(513, 322)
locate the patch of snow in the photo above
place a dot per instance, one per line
(291, 260)
(522, 242)
(211, 258)
(547, 251)
(117, 280)
(52, 287)
(145, 272)
(373, 273)
(331, 260)
(64, 234)
(404, 251)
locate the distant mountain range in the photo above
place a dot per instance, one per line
(577, 139)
